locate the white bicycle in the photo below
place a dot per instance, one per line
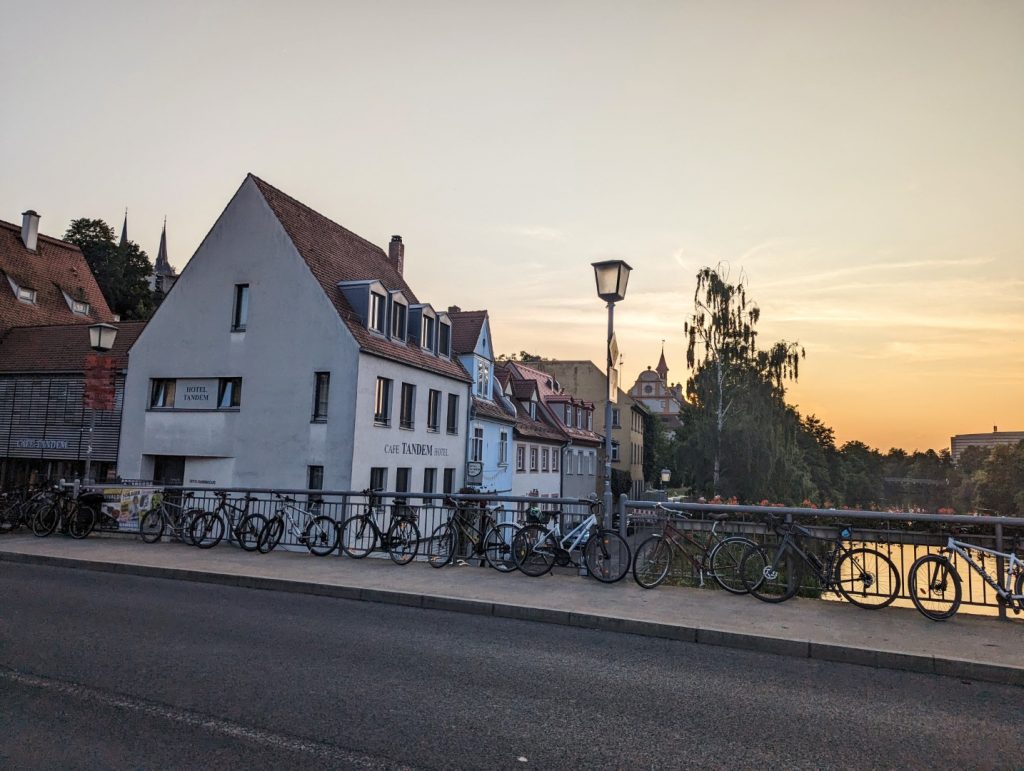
(538, 546)
(934, 583)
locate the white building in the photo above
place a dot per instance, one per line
(291, 353)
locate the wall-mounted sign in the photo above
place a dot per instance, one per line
(415, 448)
(474, 472)
(196, 394)
(41, 444)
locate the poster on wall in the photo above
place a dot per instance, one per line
(126, 505)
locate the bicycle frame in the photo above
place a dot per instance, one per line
(574, 537)
(962, 549)
(823, 571)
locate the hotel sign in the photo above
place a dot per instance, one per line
(196, 394)
(415, 448)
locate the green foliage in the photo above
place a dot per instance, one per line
(121, 272)
(523, 356)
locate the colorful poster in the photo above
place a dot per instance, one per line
(126, 505)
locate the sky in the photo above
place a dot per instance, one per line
(859, 164)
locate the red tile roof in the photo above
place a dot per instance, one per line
(335, 254)
(466, 326)
(486, 409)
(60, 347)
(545, 385)
(55, 265)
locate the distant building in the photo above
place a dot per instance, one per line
(961, 442)
(653, 390)
(539, 442)
(163, 276)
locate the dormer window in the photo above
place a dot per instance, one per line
(533, 410)
(568, 414)
(445, 339)
(399, 317)
(27, 295)
(80, 308)
(427, 333)
(378, 312)
(483, 378)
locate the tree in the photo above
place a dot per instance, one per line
(121, 272)
(523, 356)
(728, 365)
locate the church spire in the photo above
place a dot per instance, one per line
(662, 367)
(124, 229)
(163, 266)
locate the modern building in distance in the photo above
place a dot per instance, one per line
(588, 381)
(960, 442)
(654, 392)
(292, 353)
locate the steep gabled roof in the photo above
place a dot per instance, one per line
(491, 410)
(545, 385)
(466, 326)
(60, 347)
(335, 254)
(55, 265)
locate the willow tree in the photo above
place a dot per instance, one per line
(723, 352)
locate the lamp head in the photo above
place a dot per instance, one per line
(101, 337)
(612, 277)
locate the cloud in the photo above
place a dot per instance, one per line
(536, 232)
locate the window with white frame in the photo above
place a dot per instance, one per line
(433, 410)
(503, 448)
(483, 378)
(545, 461)
(555, 455)
(321, 387)
(427, 332)
(590, 420)
(615, 418)
(378, 312)
(615, 452)
(476, 445)
(399, 314)
(520, 458)
(568, 415)
(533, 458)
(382, 402)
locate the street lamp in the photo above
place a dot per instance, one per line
(666, 475)
(101, 340)
(611, 277)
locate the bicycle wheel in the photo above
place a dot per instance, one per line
(934, 587)
(184, 530)
(770, 578)
(248, 533)
(607, 557)
(403, 541)
(270, 535)
(651, 562)
(533, 550)
(151, 527)
(498, 547)
(81, 521)
(867, 578)
(321, 535)
(1018, 589)
(440, 548)
(724, 562)
(207, 530)
(45, 520)
(359, 536)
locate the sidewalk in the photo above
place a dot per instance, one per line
(895, 638)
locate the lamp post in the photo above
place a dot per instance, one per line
(666, 476)
(612, 277)
(101, 340)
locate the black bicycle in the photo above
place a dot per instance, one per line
(864, 576)
(75, 516)
(473, 530)
(231, 518)
(18, 507)
(360, 534)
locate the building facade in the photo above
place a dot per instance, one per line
(539, 442)
(652, 389)
(961, 442)
(292, 353)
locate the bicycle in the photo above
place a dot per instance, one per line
(168, 514)
(319, 532)
(718, 557)
(75, 516)
(19, 507)
(491, 542)
(864, 576)
(935, 586)
(361, 535)
(208, 528)
(537, 547)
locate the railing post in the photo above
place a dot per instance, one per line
(1000, 567)
(622, 514)
(608, 508)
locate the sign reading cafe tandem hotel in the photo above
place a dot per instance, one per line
(196, 394)
(415, 448)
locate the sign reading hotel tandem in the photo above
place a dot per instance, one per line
(196, 394)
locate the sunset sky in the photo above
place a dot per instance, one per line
(861, 163)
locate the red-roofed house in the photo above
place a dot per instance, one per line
(292, 353)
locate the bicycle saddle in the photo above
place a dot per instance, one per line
(716, 516)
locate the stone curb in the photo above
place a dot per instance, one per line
(879, 659)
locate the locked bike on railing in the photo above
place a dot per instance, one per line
(229, 518)
(539, 546)
(360, 534)
(170, 515)
(935, 586)
(489, 541)
(18, 507)
(864, 576)
(317, 532)
(75, 516)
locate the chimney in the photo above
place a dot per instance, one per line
(30, 229)
(396, 253)
(995, 429)
(454, 309)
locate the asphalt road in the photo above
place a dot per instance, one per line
(106, 671)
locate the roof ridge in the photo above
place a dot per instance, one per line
(41, 236)
(262, 183)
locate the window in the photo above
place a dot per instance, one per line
(591, 457)
(382, 402)
(321, 386)
(27, 295)
(240, 314)
(408, 414)
(503, 449)
(453, 414)
(402, 476)
(615, 417)
(162, 395)
(427, 333)
(568, 415)
(545, 456)
(483, 378)
(378, 479)
(378, 312)
(444, 344)
(590, 420)
(433, 410)
(520, 458)
(533, 410)
(229, 394)
(615, 452)
(398, 316)
(555, 455)
(449, 480)
(429, 481)
(81, 308)
(533, 459)
(476, 447)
